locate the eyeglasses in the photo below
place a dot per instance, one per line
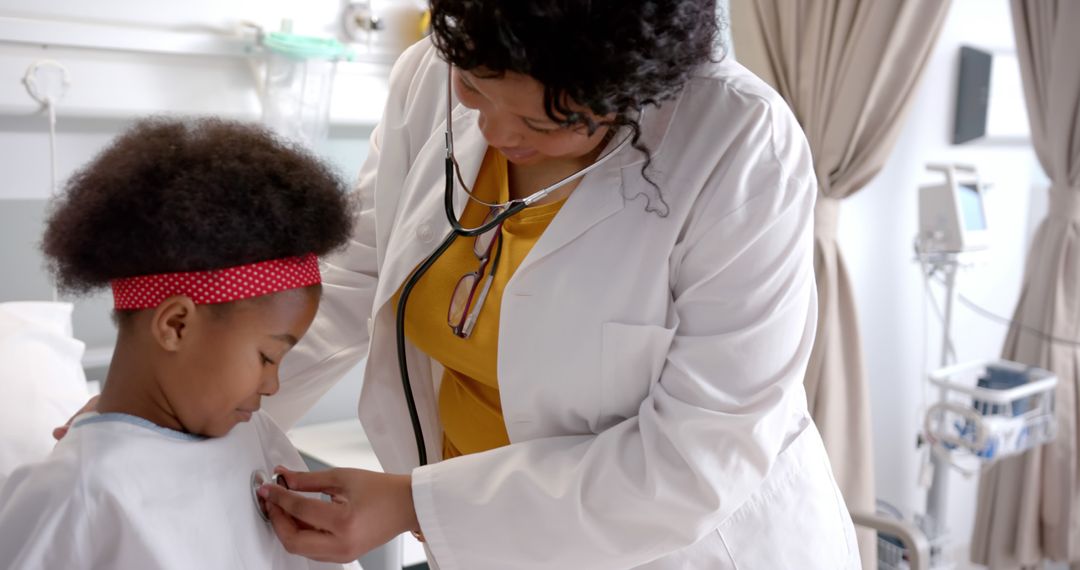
(471, 290)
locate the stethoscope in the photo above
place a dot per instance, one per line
(258, 478)
(505, 209)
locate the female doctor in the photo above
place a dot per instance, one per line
(611, 377)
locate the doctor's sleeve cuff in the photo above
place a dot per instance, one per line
(423, 485)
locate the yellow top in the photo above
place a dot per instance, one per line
(469, 405)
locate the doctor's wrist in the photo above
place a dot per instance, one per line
(408, 507)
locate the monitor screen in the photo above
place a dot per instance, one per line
(971, 209)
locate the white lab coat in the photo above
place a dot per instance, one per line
(116, 495)
(650, 367)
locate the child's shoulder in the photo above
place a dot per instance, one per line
(44, 495)
(77, 467)
(60, 470)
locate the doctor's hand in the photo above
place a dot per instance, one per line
(91, 406)
(367, 509)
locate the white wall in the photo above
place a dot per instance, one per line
(876, 230)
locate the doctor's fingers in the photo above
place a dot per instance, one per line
(328, 481)
(90, 406)
(314, 544)
(316, 513)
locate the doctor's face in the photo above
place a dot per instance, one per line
(232, 356)
(512, 119)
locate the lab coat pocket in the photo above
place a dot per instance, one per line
(633, 357)
(796, 519)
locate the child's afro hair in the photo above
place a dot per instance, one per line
(174, 195)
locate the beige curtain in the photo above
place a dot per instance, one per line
(849, 69)
(1029, 506)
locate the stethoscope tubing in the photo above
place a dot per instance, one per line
(403, 365)
(456, 230)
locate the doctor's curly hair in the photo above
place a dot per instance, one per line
(610, 56)
(174, 195)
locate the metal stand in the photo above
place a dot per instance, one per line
(937, 495)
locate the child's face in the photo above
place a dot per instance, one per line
(232, 357)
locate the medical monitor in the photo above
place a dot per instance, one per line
(952, 216)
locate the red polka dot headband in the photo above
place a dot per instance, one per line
(217, 285)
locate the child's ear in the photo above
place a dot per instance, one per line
(171, 321)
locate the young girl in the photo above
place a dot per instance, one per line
(208, 233)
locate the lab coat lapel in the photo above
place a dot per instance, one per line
(421, 219)
(598, 197)
(603, 193)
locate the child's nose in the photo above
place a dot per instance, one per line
(271, 382)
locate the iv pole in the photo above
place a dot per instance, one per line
(937, 494)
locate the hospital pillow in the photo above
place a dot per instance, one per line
(42, 382)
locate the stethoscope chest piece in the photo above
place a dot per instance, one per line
(258, 479)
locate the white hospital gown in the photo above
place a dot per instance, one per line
(119, 492)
